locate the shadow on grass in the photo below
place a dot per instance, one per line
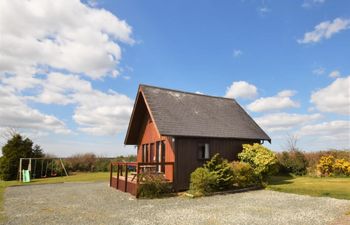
(276, 180)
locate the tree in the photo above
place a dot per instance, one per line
(291, 142)
(293, 160)
(17, 147)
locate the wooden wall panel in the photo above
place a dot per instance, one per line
(187, 155)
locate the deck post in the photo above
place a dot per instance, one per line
(126, 177)
(174, 185)
(110, 175)
(117, 176)
(20, 170)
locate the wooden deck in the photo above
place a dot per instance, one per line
(120, 184)
(127, 178)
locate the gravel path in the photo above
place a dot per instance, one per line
(96, 203)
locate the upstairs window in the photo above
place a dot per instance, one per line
(203, 151)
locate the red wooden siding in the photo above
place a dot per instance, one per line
(150, 136)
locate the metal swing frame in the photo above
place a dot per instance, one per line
(42, 164)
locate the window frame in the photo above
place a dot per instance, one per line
(203, 151)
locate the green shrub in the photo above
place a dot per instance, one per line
(153, 186)
(293, 162)
(243, 175)
(221, 170)
(215, 175)
(202, 182)
(262, 159)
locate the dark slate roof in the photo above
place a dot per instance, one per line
(178, 113)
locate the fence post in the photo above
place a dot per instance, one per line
(126, 177)
(117, 175)
(110, 175)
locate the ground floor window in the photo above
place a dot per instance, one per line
(145, 153)
(203, 151)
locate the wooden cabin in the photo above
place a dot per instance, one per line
(175, 132)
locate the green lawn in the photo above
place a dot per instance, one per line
(314, 186)
(79, 177)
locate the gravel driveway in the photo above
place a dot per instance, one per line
(96, 203)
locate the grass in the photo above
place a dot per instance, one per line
(79, 177)
(314, 186)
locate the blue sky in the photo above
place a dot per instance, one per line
(71, 69)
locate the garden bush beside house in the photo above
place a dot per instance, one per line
(263, 160)
(257, 162)
(244, 175)
(153, 186)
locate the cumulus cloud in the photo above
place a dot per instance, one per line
(334, 98)
(336, 133)
(62, 34)
(281, 101)
(241, 89)
(284, 121)
(325, 30)
(15, 113)
(49, 51)
(100, 113)
(96, 112)
(334, 74)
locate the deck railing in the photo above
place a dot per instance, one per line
(135, 169)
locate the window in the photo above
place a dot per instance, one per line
(203, 151)
(145, 153)
(152, 155)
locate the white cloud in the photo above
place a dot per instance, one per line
(241, 89)
(334, 98)
(281, 101)
(100, 113)
(67, 36)
(62, 34)
(264, 10)
(310, 3)
(96, 112)
(336, 133)
(334, 74)
(318, 71)
(15, 113)
(284, 121)
(325, 30)
(237, 53)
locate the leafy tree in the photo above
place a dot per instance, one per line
(262, 159)
(17, 147)
(293, 162)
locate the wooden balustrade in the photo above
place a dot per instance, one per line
(124, 183)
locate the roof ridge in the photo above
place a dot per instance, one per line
(187, 92)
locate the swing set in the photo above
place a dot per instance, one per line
(31, 168)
